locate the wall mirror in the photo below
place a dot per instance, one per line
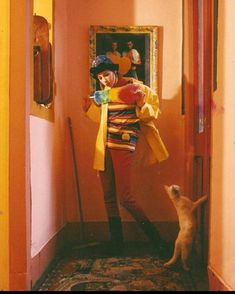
(43, 73)
(42, 100)
(117, 41)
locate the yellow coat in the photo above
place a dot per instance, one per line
(155, 149)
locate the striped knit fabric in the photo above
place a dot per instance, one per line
(123, 126)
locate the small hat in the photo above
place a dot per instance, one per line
(101, 63)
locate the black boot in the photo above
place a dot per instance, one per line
(160, 246)
(116, 235)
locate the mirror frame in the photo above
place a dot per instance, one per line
(100, 36)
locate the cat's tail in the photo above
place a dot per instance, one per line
(199, 202)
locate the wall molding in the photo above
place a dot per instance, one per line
(99, 231)
(45, 259)
(216, 283)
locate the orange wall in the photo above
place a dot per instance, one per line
(19, 173)
(52, 185)
(222, 223)
(4, 144)
(149, 181)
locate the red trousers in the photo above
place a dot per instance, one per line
(116, 184)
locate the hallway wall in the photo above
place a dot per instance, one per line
(47, 146)
(148, 181)
(222, 203)
(54, 199)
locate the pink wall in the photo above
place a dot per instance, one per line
(47, 151)
(81, 14)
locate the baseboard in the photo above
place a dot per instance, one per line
(99, 231)
(216, 283)
(43, 262)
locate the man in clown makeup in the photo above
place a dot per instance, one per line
(125, 109)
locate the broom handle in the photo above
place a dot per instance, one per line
(76, 179)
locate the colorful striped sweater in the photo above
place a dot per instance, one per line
(148, 132)
(123, 126)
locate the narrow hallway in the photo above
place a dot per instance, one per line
(136, 269)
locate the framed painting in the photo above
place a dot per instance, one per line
(134, 48)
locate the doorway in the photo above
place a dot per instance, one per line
(198, 87)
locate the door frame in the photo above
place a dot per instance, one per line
(19, 144)
(15, 171)
(198, 90)
(4, 144)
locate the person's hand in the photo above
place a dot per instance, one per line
(140, 99)
(86, 103)
(132, 93)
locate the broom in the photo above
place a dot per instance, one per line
(83, 242)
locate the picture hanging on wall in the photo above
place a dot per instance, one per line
(137, 50)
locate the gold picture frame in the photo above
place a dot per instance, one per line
(146, 41)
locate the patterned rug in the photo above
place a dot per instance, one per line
(87, 270)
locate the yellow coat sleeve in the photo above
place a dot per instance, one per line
(150, 110)
(94, 113)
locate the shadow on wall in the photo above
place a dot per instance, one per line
(153, 197)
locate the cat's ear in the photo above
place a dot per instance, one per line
(176, 190)
(167, 188)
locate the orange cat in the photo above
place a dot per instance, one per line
(185, 209)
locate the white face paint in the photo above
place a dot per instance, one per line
(107, 78)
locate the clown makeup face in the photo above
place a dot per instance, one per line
(107, 78)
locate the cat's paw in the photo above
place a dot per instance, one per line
(186, 268)
(167, 264)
